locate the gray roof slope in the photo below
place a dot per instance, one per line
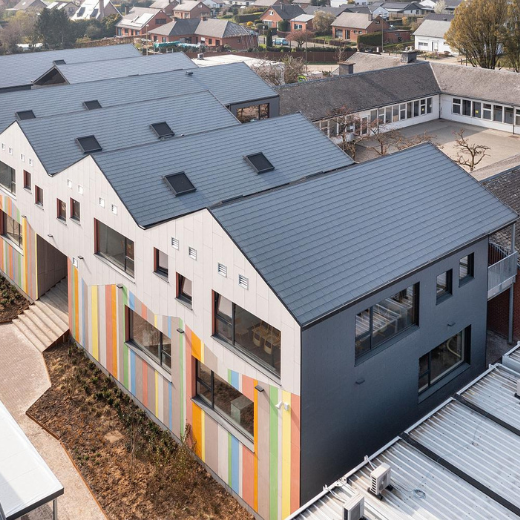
(214, 162)
(356, 20)
(500, 86)
(365, 61)
(433, 28)
(23, 69)
(53, 138)
(233, 83)
(330, 241)
(220, 28)
(82, 72)
(180, 27)
(440, 16)
(318, 99)
(287, 11)
(336, 11)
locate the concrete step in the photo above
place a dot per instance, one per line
(63, 288)
(42, 322)
(29, 334)
(38, 328)
(52, 315)
(57, 300)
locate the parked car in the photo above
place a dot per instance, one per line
(280, 41)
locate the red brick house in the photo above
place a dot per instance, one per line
(191, 9)
(140, 21)
(176, 31)
(302, 22)
(166, 6)
(348, 26)
(279, 13)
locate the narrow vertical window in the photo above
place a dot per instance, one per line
(38, 196)
(61, 210)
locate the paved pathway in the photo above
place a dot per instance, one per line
(23, 379)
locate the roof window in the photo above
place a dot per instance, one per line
(162, 130)
(92, 105)
(179, 183)
(59, 62)
(24, 114)
(259, 162)
(89, 144)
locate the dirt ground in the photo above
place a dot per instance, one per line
(12, 303)
(134, 469)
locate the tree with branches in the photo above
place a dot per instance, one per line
(288, 70)
(469, 154)
(300, 37)
(478, 31)
(440, 6)
(322, 22)
(512, 36)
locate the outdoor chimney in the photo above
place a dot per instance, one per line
(408, 56)
(345, 68)
(101, 9)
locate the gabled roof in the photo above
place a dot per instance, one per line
(400, 6)
(188, 6)
(162, 4)
(321, 98)
(220, 29)
(303, 18)
(365, 61)
(436, 16)
(285, 11)
(82, 72)
(90, 9)
(433, 28)
(214, 163)
(336, 11)
(458, 462)
(137, 17)
(182, 27)
(354, 20)
(54, 138)
(22, 69)
(324, 243)
(22, 5)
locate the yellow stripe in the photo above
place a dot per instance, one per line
(201, 352)
(155, 320)
(95, 345)
(286, 456)
(203, 435)
(156, 394)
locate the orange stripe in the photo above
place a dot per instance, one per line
(195, 346)
(114, 332)
(197, 428)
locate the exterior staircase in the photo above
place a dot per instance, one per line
(47, 320)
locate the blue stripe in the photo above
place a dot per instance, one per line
(234, 463)
(131, 301)
(235, 379)
(132, 372)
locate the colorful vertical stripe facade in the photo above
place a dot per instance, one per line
(19, 265)
(265, 472)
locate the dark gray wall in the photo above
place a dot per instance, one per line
(274, 105)
(341, 420)
(52, 266)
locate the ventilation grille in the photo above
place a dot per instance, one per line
(222, 270)
(175, 243)
(192, 252)
(243, 281)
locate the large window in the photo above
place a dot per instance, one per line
(11, 230)
(250, 334)
(386, 320)
(149, 339)
(444, 285)
(75, 210)
(38, 196)
(466, 269)
(61, 210)
(226, 400)
(440, 361)
(253, 113)
(114, 247)
(184, 289)
(7, 178)
(160, 263)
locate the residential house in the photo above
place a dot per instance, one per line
(191, 9)
(429, 36)
(280, 13)
(67, 7)
(95, 10)
(348, 26)
(401, 9)
(302, 22)
(443, 467)
(27, 5)
(451, 5)
(214, 5)
(182, 30)
(167, 6)
(374, 8)
(262, 337)
(140, 20)
(336, 11)
(264, 4)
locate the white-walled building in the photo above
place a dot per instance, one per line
(430, 35)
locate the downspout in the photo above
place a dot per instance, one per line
(511, 291)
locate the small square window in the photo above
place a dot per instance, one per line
(74, 262)
(184, 289)
(222, 270)
(27, 180)
(466, 268)
(101, 202)
(22, 157)
(30, 162)
(243, 281)
(3, 146)
(175, 243)
(75, 212)
(61, 210)
(80, 189)
(114, 209)
(192, 253)
(444, 285)
(69, 183)
(38, 196)
(10, 151)
(160, 263)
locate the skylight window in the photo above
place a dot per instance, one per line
(89, 144)
(179, 183)
(24, 114)
(59, 62)
(259, 162)
(92, 105)
(162, 130)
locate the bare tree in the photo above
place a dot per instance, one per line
(288, 70)
(440, 6)
(300, 37)
(322, 22)
(348, 125)
(469, 154)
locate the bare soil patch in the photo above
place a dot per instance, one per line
(12, 303)
(133, 467)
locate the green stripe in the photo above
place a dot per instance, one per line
(126, 365)
(273, 453)
(182, 372)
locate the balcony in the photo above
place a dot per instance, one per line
(502, 274)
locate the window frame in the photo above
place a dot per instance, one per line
(3, 221)
(181, 295)
(59, 215)
(470, 269)
(108, 258)
(72, 216)
(12, 184)
(157, 268)
(27, 180)
(448, 291)
(38, 196)
(456, 106)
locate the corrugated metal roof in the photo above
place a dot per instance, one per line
(330, 241)
(23, 69)
(214, 163)
(53, 138)
(234, 83)
(134, 66)
(424, 486)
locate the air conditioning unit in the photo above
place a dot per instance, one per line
(518, 389)
(380, 479)
(200, 56)
(354, 509)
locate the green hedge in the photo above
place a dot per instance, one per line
(284, 26)
(372, 39)
(244, 18)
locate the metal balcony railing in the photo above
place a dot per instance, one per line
(501, 275)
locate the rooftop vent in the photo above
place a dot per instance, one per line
(259, 162)
(24, 114)
(179, 183)
(189, 73)
(162, 130)
(92, 105)
(59, 62)
(89, 144)
(354, 508)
